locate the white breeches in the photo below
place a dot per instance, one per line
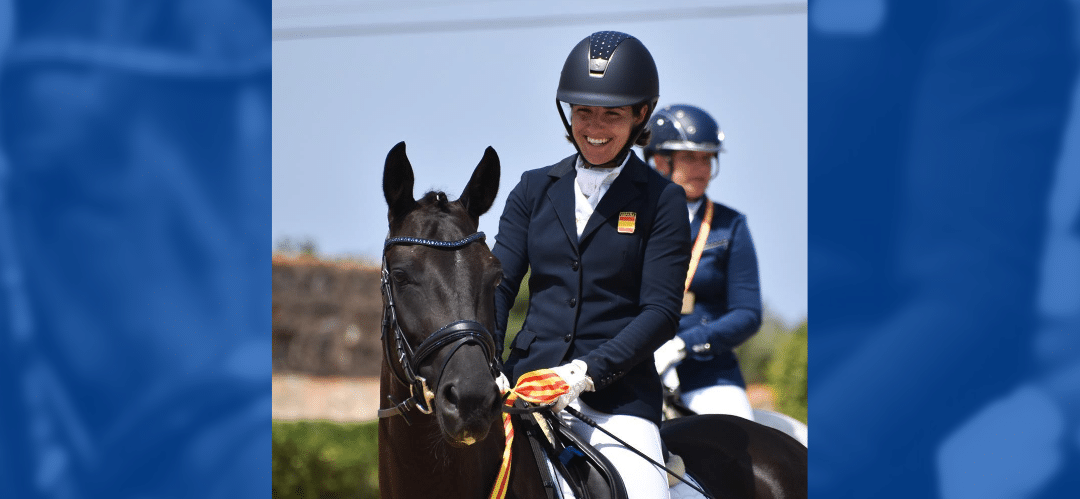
(723, 399)
(642, 479)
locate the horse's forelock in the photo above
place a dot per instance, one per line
(437, 199)
(430, 219)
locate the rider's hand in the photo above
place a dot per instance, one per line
(503, 383)
(669, 354)
(574, 376)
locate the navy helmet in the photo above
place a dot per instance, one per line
(609, 69)
(683, 127)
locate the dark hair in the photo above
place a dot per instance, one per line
(646, 134)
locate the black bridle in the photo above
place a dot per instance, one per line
(405, 365)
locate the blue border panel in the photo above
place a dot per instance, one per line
(936, 142)
(135, 249)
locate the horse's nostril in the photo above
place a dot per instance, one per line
(450, 395)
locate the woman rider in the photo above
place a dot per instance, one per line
(606, 239)
(722, 305)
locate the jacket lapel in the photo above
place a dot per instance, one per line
(562, 197)
(624, 189)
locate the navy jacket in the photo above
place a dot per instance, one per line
(610, 298)
(727, 310)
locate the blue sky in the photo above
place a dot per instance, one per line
(353, 78)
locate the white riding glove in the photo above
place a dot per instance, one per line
(669, 354)
(503, 383)
(574, 376)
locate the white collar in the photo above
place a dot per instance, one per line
(594, 182)
(694, 206)
(580, 164)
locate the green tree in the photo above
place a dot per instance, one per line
(787, 374)
(325, 460)
(285, 245)
(517, 315)
(308, 248)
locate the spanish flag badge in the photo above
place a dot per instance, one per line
(627, 219)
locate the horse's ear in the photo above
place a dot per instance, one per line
(398, 182)
(480, 192)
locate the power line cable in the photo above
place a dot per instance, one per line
(461, 25)
(300, 11)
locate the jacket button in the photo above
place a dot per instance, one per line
(574, 265)
(568, 337)
(572, 302)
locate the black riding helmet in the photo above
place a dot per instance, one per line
(609, 69)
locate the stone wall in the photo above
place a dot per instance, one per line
(326, 317)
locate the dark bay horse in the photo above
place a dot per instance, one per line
(439, 396)
(440, 427)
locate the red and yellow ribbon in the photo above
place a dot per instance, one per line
(542, 387)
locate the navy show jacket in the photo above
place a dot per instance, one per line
(727, 308)
(609, 298)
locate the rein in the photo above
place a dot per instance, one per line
(405, 364)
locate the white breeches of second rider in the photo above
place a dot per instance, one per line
(723, 399)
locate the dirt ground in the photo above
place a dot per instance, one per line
(342, 399)
(299, 396)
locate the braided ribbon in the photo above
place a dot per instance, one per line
(541, 387)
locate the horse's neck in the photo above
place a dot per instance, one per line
(416, 462)
(422, 465)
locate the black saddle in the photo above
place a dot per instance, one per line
(589, 474)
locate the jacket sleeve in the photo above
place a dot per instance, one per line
(666, 258)
(743, 316)
(511, 248)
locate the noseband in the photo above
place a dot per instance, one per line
(406, 363)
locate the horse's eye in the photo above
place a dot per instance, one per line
(497, 280)
(399, 276)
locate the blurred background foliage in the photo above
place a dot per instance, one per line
(787, 373)
(325, 460)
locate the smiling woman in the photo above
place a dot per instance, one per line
(601, 133)
(594, 318)
(609, 98)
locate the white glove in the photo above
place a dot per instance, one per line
(669, 354)
(574, 376)
(670, 379)
(503, 383)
